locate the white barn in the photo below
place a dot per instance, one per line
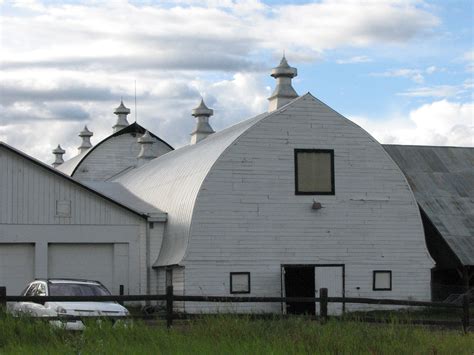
(284, 203)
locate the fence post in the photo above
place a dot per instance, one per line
(169, 306)
(465, 312)
(323, 295)
(3, 299)
(121, 293)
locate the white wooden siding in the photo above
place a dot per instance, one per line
(29, 193)
(248, 218)
(113, 157)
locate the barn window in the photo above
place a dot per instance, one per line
(314, 172)
(240, 282)
(382, 280)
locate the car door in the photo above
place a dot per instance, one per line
(35, 308)
(24, 307)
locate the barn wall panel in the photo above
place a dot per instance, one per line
(247, 215)
(30, 194)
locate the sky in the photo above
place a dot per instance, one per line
(401, 69)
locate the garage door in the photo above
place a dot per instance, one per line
(82, 261)
(16, 266)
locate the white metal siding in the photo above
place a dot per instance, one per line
(16, 266)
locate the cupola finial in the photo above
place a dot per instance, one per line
(86, 135)
(203, 128)
(121, 113)
(284, 92)
(58, 153)
(146, 152)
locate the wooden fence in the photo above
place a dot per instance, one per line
(170, 298)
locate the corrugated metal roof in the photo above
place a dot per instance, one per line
(172, 182)
(120, 194)
(442, 179)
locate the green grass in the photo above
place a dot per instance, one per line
(232, 335)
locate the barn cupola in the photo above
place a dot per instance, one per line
(121, 113)
(58, 153)
(203, 128)
(86, 135)
(284, 92)
(146, 152)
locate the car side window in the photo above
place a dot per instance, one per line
(31, 290)
(41, 289)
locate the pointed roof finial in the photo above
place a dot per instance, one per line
(58, 152)
(146, 153)
(121, 111)
(86, 135)
(284, 92)
(203, 128)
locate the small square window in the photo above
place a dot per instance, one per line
(63, 208)
(240, 282)
(382, 280)
(314, 172)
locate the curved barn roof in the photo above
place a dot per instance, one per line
(69, 167)
(172, 182)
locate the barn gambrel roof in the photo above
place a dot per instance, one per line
(442, 179)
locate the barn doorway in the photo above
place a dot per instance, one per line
(299, 282)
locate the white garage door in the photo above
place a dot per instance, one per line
(16, 266)
(82, 261)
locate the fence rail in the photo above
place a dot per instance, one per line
(170, 298)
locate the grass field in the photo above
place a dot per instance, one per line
(227, 335)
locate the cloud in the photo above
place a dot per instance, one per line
(12, 92)
(68, 63)
(438, 123)
(356, 59)
(199, 37)
(412, 74)
(468, 57)
(438, 90)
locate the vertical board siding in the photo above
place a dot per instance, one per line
(29, 193)
(248, 218)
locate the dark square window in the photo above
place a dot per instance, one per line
(382, 280)
(240, 282)
(314, 172)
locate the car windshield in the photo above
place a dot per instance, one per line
(71, 289)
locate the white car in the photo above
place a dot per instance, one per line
(68, 287)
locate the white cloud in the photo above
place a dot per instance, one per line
(412, 74)
(356, 59)
(62, 62)
(469, 59)
(438, 90)
(438, 123)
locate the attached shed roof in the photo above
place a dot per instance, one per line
(442, 179)
(69, 167)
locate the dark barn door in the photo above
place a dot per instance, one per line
(299, 282)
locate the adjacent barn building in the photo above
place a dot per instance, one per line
(284, 203)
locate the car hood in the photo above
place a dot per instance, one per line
(109, 308)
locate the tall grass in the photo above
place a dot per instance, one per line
(231, 335)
